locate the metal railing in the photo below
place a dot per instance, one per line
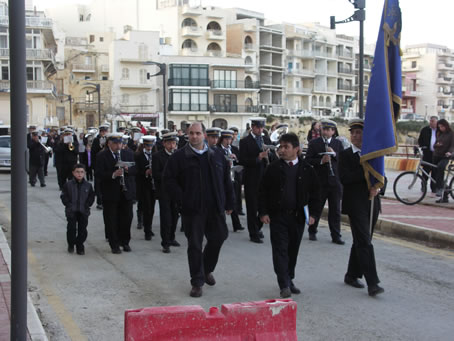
(31, 85)
(188, 82)
(235, 108)
(188, 107)
(234, 84)
(346, 87)
(29, 21)
(249, 46)
(344, 70)
(32, 54)
(84, 67)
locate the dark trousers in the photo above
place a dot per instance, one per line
(117, 220)
(76, 233)
(236, 223)
(98, 190)
(33, 172)
(253, 221)
(203, 261)
(46, 163)
(237, 186)
(362, 257)
(286, 235)
(64, 174)
(441, 163)
(89, 173)
(168, 216)
(428, 157)
(333, 194)
(146, 203)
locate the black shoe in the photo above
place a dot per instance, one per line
(43, 185)
(126, 248)
(209, 279)
(354, 282)
(116, 250)
(286, 293)
(241, 228)
(165, 249)
(261, 235)
(174, 243)
(374, 290)
(148, 237)
(33, 185)
(71, 248)
(181, 229)
(80, 251)
(139, 226)
(196, 292)
(338, 241)
(442, 201)
(256, 240)
(294, 289)
(99, 207)
(241, 213)
(152, 234)
(312, 237)
(45, 174)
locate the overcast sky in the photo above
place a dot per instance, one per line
(423, 21)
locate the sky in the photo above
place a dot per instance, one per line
(423, 21)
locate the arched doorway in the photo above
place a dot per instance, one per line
(214, 50)
(220, 123)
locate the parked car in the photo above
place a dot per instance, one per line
(412, 117)
(5, 151)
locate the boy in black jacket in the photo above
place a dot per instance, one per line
(77, 196)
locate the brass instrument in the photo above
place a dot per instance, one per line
(331, 172)
(46, 148)
(71, 146)
(150, 177)
(121, 165)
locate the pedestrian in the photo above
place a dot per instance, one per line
(44, 138)
(254, 158)
(68, 150)
(314, 132)
(145, 188)
(443, 151)
(118, 191)
(356, 203)
(36, 160)
(426, 140)
(168, 208)
(288, 190)
(82, 144)
(198, 179)
(323, 154)
(99, 142)
(77, 197)
(212, 137)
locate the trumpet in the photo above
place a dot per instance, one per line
(46, 148)
(121, 165)
(331, 172)
(71, 146)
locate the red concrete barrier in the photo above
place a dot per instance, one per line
(251, 321)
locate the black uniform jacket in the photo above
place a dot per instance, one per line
(355, 193)
(249, 151)
(66, 156)
(159, 162)
(142, 165)
(272, 187)
(313, 157)
(36, 151)
(182, 179)
(105, 166)
(74, 202)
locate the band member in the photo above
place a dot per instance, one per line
(238, 183)
(232, 155)
(146, 193)
(136, 135)
(118, 190)
(99, 142)
(31, 129)
(356, 203)
(287, 187)
(68, 150)
(254, 158)
(198, 179)
(323, 154)
(36, 160)
(212, 136)
(168, 209)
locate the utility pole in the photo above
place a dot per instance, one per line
(162, 71)
(98, 90)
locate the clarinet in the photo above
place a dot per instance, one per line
(267, 160)
(149, 167)
(122, 177)
(331, 172)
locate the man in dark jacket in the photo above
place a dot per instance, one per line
(67, 149)
(356, 204)
(426, 141)
(77, 196)
(323, 154)
(198, 179)
(168, 209)
(118, 191)
(254, 158)
(36, 160)
(289, 198)
(99, 142)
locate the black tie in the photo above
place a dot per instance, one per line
(258, 139)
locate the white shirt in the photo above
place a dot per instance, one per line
(294, 162)
(147, 155)
(356, 149)
(433, 138)
(200, 152)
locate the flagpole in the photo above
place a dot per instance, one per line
(371, 219)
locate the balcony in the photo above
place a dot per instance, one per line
(189, 82)
(345, 54)
(444, 93)
(344, 87)
(131, 85)
(407, 111)
(189, 51)
(136, 109)
(191, 31)
(215, 35)
(32, 54)
(82, 105)
(412, 93)
(213, 53)
(301, 54)
(104, 68)
(38, 87)
(409, 68)
(39, 22)
(445, 67)
(345, 70)
(249, 47)
(301, 73)
(299, 91)
(86, 68)
(366, 66)
(234, 84)
(233, 108)
(322, 54)
(191, 11)
(189, 107)
(324, 89)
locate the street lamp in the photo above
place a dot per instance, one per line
(70, 100)
(359, 15)
(98, 90)
(162, 71)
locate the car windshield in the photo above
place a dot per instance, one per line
(5, 142)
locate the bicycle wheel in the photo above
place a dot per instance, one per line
(451, 187)
(409, 188)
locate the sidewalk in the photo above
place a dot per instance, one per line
(35, 330)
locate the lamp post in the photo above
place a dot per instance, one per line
(359, 15)
(98, 90)
(70, 100)
(162, 72)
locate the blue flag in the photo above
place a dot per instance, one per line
(384, 98)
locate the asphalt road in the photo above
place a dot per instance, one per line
(84, 297)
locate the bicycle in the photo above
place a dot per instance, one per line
(409, 191)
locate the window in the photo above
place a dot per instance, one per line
(101, 39)
(125, 73)
(189, 44)
(81, 17)
(3, 41)
(88, 60)
(189, 22)
(248, 60)
(5, 73)
(188, 100)
(413, 64)
(225, 103)
(224, 79)
(33, 39)
(34, 71)
(105, 78)
(188, 75)
(125, 99)
(143, 51)
(143, 76)
(92, 38)
(297, 84)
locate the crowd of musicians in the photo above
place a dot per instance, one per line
(198, 176)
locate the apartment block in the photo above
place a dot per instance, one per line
(40, 56)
